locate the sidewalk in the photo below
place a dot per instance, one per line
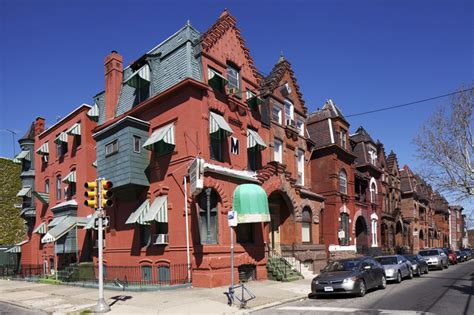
(61, 299)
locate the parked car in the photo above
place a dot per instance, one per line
(396, 267)
(349, 276)
(466, 255)
(452, 257)
(418, 264)
(460, 256)
(435, 258)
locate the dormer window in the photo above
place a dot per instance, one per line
(372, 156)
(233, 76)
(343, 138)
(140, 80)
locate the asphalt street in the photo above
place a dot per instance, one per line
(439, 292)
(15, 310)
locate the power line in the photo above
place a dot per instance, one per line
(408, 104)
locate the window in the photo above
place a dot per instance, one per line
(218, 142)
(164, 274)
(306, 226)
(136, 144)
(233, 77)
(146, 273)
(374, 233)
(343, 138)
(58, 187)
(373, 192)
(61, 149)
(145, 235)
(111, 148)
(289, 112)
(343, 182)
(254, 159)
(207, 203)
(300, 166)
(71, 189)
(278, 151)
(300, 127)
(372, 155)
(244, 233)
(46, 186)
(276, 114)
(344, 229)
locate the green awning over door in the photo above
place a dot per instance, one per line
(251, 204)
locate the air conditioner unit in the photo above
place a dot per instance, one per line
(290, 122)
(160, 239)
(96, 243)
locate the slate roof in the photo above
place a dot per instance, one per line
(30, 134)
(361, 135)
(406, 184)
(329, 110)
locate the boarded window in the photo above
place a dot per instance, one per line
(146, 273)
(207, 203)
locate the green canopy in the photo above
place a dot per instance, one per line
(251, 204)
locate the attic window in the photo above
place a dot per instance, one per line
(233, 76)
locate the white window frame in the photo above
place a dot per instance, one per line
(343, 138)
(300, 126)
(279, 112)
(289, 105)
(374, 233)
(300, 166)
(229, 76)
(113, 145)
(341, 179)
(278, 154)
(135, 138)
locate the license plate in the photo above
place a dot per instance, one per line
(328, 289)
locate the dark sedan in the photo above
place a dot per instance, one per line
(349, 276)
(418, 264)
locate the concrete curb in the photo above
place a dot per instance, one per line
(265, 306)
(23, 306)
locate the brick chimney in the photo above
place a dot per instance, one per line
(113, 65)
(39, 125)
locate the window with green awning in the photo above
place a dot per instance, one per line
(251, 204)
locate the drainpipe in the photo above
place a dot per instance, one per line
(449, 225)
(187, 227)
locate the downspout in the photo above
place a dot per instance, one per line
(449, 225)
(188, 256)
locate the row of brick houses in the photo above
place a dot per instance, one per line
(199, 97)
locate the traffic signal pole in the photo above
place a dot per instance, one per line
(102, 306)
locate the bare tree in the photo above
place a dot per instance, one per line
(445, 145)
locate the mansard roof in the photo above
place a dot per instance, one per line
(272, 81)
(225, 22)
(30, 134)
(361, 135)
(329, 110)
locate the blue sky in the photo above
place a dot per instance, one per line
(362, 54)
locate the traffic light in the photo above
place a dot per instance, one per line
(91, 195)
(106, 193)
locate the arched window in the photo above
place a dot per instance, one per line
(373, 192)
(46, 186)
(344, 229)
(207, 204)
(374, 233)
(343, 182)
(306, 225)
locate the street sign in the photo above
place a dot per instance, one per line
(341, 234)
(232, 218)
(196, 176)
(105, 222)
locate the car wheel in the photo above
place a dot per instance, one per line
(427, 270)
(362, 289)
(418, 272)
(399, 277)
(446, 266)
(383, 283)
(410, 274)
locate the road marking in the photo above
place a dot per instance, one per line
(348, 310)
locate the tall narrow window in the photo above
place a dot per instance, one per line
(136, 144)
(46, 186)
(373, 193)
(276, 114)
(254, 158)
(207, 203)
(289, 113)
(374, 233)
(343, 138)
(344, 229)
(278, 151)
(218, 141)
(343, 182)
(146, 273)
(233, 77)
(306, 226)
(300, 164)
(300, 127)
(58, 187)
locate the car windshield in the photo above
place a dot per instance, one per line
(342, 265)
(387, 260)
(411, 258)
(428, 253)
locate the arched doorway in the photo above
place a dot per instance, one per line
(398, 234)
(280, 229)
(361, 232)
(422, 240)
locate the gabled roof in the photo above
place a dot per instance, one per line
(406, 175)
(272, 81)
(30, 134)
(392, 161)
(329, 110)
(225, 22)
(361, 135)
(381, 154)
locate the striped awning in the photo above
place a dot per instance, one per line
(217, 123)
(44, 149)
(254, 140)
(93, 113)
(67, 224)
(24, 155)
(17, 248)
(75, 130)
(158, 210)
(141, 74)
(24, 192)
(61, 138)
(164, 135)
(137, 215)
(56, 221)
(42, 197)
(40, 229)
(70, 178)
(91, 220)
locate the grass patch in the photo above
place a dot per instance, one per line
(49, 281)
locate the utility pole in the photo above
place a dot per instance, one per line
(13, 140)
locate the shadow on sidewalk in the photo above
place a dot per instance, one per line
(121, 298)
